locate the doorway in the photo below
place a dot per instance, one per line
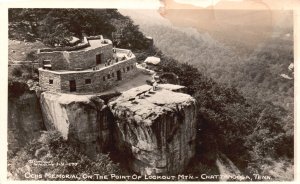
(72, 85)
(119, 75)
(99, 59)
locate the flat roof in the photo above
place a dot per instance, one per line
(93, 44)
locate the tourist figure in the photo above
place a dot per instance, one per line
(154, 85)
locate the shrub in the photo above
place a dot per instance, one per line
(16, 88)
(31, 56)
(16, 72)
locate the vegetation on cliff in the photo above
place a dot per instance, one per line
(52, 158)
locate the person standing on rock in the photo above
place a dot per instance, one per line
(154, 85)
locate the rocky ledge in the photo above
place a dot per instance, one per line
(157, 127)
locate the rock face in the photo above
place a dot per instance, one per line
(24, 120)
(157, 128)
(82, 119)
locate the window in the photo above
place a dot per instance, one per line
(103, 78)
(88, 81)
(50, 81)
(128, 68)
(108, 76)
(113, 75)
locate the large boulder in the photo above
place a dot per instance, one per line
(81, 119)
(157, 128)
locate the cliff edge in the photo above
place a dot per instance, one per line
(157, 127)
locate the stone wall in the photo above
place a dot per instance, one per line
(57, 60)
(87, 59)
(44, 80)
(100, 79)
(84, 59)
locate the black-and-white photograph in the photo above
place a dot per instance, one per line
(189, 91)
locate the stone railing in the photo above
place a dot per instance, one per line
(123, 51)
(126, 52)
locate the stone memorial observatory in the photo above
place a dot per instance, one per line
(91, 66)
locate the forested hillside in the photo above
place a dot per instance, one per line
(55, 26)
(252, 66)
(255, 134)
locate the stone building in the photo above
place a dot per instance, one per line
(91, 66)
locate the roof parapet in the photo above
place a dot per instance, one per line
(79, 46)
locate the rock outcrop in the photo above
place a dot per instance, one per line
(158, 129)
(82, 119)
(24, 120)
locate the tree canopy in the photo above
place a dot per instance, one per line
(55, 26)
